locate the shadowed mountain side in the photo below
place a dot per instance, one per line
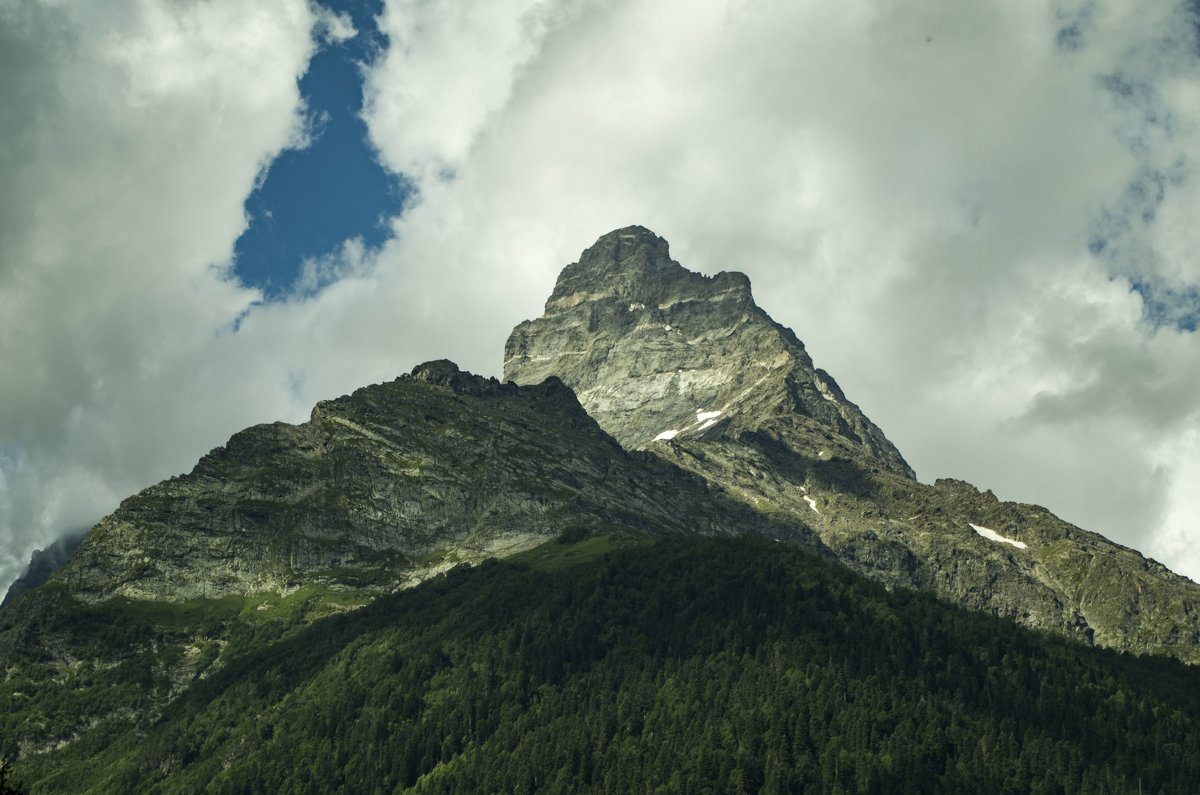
(682, 664)
(43, 563)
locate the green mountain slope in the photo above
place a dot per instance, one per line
(689, 665)
(285, 524)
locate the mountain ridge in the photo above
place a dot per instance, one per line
(719, 422)
(43, 563)
(645, 343)
(694, 412)
(385, 487)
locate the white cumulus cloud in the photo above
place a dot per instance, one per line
(133, 133)
(950, 203)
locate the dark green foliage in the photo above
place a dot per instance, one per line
(697, 665)
(573, 534)
(7, 785)
(125, 658)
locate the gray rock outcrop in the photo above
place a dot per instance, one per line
(655, 351)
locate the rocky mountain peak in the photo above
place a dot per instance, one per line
(657, 352)
(634, 265)
(630, 249)
(626, 252)
(445, 373)
(440, 371)
(687, 368)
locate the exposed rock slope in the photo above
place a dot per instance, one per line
(689, 368)
(656, 351)
(385, 487)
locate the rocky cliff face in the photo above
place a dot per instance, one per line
(703, 416)
(689, 368)
(656, 352)
(387, 486)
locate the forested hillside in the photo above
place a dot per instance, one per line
(619, 665)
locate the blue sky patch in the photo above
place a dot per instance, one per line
(1177, 306)
(312, 199)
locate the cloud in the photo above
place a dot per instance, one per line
(917, 189)
(332, 27)
(967, 211)
(133, 133)
(449, 67)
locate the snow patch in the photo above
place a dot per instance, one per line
(811, 502)
(994, 536)
(635, 307)
(707, 424)
(665, 435)
(701, 416)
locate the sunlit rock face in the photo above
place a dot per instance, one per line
(655, 351)
(689, 368)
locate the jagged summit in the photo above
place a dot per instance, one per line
(635, 264)
(657, 352)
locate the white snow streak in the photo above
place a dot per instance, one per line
(666, 435)
(811, 502)
(701, 416)
(994, 536)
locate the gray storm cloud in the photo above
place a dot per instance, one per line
(950, 203)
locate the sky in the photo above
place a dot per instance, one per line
(979, 217)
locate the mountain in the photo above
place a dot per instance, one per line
(667, 552)
(388, 486)
(43, 563)
(689, 368)
(287, 524)
(655, 351)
